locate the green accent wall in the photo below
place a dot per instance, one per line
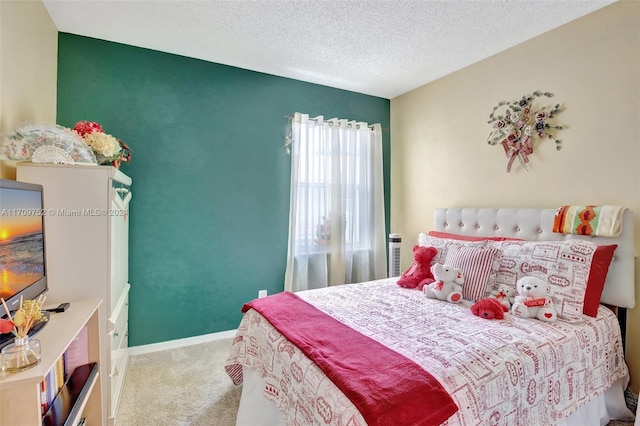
(209, 214)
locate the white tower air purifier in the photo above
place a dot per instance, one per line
(395, 241)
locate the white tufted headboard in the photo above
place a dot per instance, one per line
(537, 225)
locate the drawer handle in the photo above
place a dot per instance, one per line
(115, 334)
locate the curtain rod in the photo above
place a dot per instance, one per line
(384, 129)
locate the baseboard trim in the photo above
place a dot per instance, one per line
(178, 343)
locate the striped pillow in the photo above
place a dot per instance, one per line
(443, 245)
(476, 264)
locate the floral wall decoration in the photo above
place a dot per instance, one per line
(521, 121)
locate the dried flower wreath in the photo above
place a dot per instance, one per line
(516, 128)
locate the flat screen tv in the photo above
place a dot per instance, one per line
(22, 245)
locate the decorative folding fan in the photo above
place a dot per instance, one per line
(47, 144)
(51, 154)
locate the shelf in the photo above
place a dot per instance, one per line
(20, 397)
(54, 339)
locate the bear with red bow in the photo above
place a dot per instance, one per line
(534, 300)
(505, 295)
(447, 285)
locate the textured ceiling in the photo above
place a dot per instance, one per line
(380, 48)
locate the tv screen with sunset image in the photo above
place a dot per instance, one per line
(21, 240)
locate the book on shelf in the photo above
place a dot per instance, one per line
(78, 351)
(44, 402)
(51, 387)
(60, 375)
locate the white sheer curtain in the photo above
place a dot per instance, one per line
(336, 216)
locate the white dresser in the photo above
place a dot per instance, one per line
(87, 240)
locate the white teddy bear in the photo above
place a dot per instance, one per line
(533, 300)
(448, 284)
(505, 295)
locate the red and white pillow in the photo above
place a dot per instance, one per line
(473, 263)
(564, 265)
(444, 244)
(597, 275)
(476, 264)
(470, 256)
(459, 237)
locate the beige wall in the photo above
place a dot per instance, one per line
(28, 68)
(440, 156)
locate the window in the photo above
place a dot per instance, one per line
(337, 203)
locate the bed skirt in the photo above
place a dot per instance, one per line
(256, 409)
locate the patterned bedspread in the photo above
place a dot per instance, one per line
(515, 371)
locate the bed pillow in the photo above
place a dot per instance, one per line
(597, 276)
(565, 265)
(469, 237)
(476, 264)
(443, 245)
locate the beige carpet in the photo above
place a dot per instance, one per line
(183, 387)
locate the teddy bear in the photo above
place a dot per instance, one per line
(534, 300)
(505, 294)
(489, 308)
(447, 285)
(419, 273)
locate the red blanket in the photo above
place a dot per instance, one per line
(384, 386)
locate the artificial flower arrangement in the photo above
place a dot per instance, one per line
(28, 314)
(520, 123)
(106, 147)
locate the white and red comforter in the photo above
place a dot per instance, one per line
(513, 371)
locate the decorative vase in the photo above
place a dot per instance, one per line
(23, 353)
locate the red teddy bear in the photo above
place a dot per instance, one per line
(489, 308)
(419, 273)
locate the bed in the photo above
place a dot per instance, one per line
(433, 362)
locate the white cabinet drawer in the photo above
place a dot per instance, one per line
(118, 322)
(119, 347)
(119, 359)
(119, 330)
(120, 339)
(118, 326)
